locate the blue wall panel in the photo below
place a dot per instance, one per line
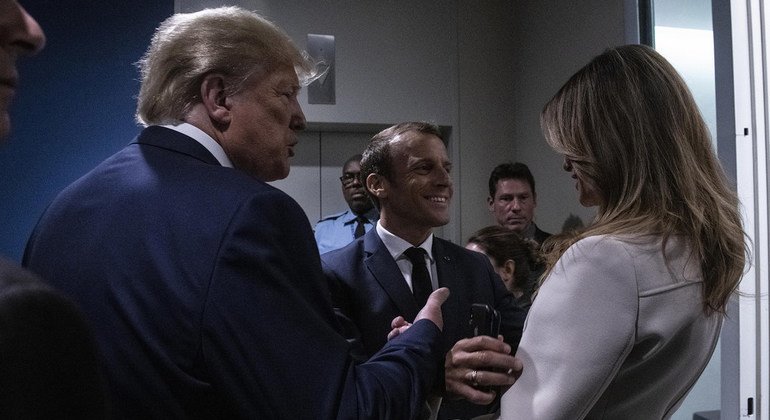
(75, 103)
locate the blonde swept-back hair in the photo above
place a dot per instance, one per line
(629, 124)
(231, 41)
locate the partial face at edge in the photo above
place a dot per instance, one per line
(20, 34)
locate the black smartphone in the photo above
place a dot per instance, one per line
(485, 320)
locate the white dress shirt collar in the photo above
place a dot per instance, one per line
(396, 246)
(204, 139)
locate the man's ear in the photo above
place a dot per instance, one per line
(214, 98)
(490, 203)
(377, 186)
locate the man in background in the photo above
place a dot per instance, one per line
(48, 361)
(335, 231)
(203, 282)
(513, 199)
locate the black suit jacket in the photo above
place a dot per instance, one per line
(49, 367)
(368, 291)
(540, 235)
(205, 290)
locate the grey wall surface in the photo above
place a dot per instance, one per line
(483, 69)
(555, 38)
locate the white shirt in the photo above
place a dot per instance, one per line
(396, 246)
(204, 139)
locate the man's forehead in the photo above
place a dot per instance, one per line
(514, 186)
(401, 143)
(285, 76)
(352, 166)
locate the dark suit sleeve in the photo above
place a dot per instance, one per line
(343, 307)
(270, 337)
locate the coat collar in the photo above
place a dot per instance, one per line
(175, 141)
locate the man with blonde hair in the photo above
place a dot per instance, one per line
(202, 281)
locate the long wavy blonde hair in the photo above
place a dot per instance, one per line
(628, 123)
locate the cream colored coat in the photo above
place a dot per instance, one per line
(614, 333)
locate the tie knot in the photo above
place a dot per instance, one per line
(416, 255)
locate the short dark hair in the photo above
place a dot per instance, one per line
(510, 170)
(503, 244)
(377, 158)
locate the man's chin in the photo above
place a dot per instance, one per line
(360, 206)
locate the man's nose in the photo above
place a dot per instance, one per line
(444, 177)
(298, 122)
(28, 36)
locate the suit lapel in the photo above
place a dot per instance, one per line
(450, 276)
(385, 271)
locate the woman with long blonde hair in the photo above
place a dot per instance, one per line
(631, 307)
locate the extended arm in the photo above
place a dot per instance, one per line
(270, 336)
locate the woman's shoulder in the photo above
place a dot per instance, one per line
(608, 245)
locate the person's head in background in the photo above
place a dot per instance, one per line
(238, 82)
(635, 143)
(512, 197)
(20, 35)
(353, 188)
(511, 255)
(406, 171)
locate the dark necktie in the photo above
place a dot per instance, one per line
(421, 286)
(360, 230)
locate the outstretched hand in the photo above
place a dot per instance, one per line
(431, 311)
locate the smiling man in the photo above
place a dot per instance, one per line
(203, 283)
(337, 230)
(389, 271)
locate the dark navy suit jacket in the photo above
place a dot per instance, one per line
(368, 291)
(205, 291)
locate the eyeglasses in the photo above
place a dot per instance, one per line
(348, 178)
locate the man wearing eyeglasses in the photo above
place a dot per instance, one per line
(337, 230)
